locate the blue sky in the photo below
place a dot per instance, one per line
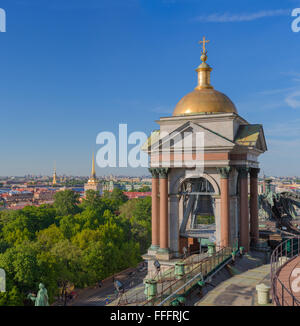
(73, 68)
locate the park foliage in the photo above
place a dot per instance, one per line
(71, 242)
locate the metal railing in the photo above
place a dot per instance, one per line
(197, 265)
(163, 278)
(200, 269)
(204, 271)
(283, 253)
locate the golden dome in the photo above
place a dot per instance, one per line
(206, 100)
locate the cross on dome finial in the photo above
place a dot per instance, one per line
(203, 42)
(204, 51)
(204, 69)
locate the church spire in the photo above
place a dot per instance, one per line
(54, 175)
(93, 175)
(93, 183)
(204, 69)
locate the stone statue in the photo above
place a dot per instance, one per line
(42, 297)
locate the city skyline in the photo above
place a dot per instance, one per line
(93, 66)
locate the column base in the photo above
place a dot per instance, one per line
(163, 254)
(153, 250)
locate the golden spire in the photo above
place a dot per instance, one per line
(93, 175)
(93, 179)
(204, 69)
(54, 175)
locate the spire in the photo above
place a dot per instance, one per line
(54, 174)
(204, 69)
(93, 175)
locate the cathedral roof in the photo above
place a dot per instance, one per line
(252, 136)
(204, 101)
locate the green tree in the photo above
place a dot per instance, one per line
(20, 264)
(114, 199)
(17, 228)
(66, 202)
(69, 266)
(69, 225)
(84, 238)
(11, 297)
(92, 200)
(90, 218)
(111, 252)
(71, 243)
(145, 189)
(138, 213)
(47, 238)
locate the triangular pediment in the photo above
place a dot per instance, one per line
(251, 136)
(187, 133)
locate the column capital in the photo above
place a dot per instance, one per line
(224, 172)
(243, 171)
(154, 172)
(163, 173)
(254, 172)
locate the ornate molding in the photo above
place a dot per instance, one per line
(154, 172)
(224, 172)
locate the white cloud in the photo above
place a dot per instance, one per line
(293, 100)
(286, 130)
(291, 73)
(277, 91)
(291, 97)
(241, 17)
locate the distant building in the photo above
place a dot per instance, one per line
(44, 196)
(111, 185)
(18, 198)
(93, 183)
(133, 195)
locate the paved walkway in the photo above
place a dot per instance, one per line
(239, 290)
(291, 282)
(106, 294)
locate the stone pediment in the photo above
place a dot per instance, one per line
(186, 134)
(251, 136)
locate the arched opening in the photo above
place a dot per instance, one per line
(198, 206)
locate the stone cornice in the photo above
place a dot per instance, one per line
(211, 117)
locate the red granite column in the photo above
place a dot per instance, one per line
(164, 227)
(244, 211)
(155, 210)
(254, 232)
(225, 207)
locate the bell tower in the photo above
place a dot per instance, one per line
(200, 190)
